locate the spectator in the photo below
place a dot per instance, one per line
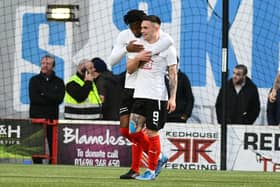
(275, 88)
(184, 99)
(46, 92)
(82, 100)
(273, 103)
(243, 103)
(273, 109)
(109, 88)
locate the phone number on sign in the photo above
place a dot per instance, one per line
(96, 162)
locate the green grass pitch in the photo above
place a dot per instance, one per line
(14, 175)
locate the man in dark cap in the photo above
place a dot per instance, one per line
(108, 86)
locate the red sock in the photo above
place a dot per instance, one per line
(141, 141)
(136, 151)
(125, 133)
(145, 142)
(154, 152)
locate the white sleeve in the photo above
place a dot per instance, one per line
(119, 50)
(171, 56)
(163, 43)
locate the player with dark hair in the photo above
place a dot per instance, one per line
(127, 43)
(126, 39)
(149, 109)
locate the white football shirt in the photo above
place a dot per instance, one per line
(119, 51)
(150, 82)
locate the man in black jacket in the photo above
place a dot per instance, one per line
(109, 89)
(243, 103)
(46, 92)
